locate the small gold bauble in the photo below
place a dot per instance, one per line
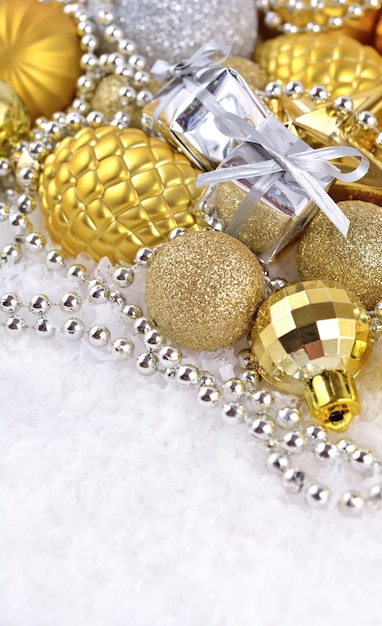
(109, 192)
(39, 54)
(14, 120)
(107, 100)
(253, 74)
(203, 290)
(356, 261)
(336, 61)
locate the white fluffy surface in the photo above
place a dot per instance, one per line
(122, 504)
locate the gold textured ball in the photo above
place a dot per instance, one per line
(336, 61)
(14, 120)
(39, 54)
(356, 261)
(203, 290)
(109, 192)
(253, 74)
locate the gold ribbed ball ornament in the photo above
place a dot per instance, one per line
(311, 338)
(14, 120)
(39, 54)
(355, 261)
(109, 191)
(333, 60)
(203, 290)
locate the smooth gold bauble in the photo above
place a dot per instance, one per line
(311, 338)
(203, 290)
(354, 261)
(253, 74)
(14, 120)
(107, 100)
(39, 54)
(335, 61)
(109, 192)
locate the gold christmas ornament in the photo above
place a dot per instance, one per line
(14, 120)
(109, 192)
(203, 289)
(107, 100)
(356, 261)
(335, 61)
(310, 339)
(39, 54)
(253, 74)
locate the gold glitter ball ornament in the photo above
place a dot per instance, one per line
(14, 120)
(310, 339)
(203, 290)
(39, 54)
(355, 261)
(335, 61)
(109, 192)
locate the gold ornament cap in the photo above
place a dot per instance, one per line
(332, 399)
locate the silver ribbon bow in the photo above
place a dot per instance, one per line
(211, 53)
(300, 161)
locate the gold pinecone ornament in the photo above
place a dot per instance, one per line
(109, 191)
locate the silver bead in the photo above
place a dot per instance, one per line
(95, 119)
(131, 312)
(137, 61)
(272, 19)
(367, 120)
(277, 463)
(113, 33)
(144, 256)
(169, 357)
(362, 461)
(374, 496)
(208, 397)
(273, 89)
(262, 428)
(206, 379)
(141, 326)
(123, 276)
(319, 93)
(275, 284)
(19, 224)
(73, 329)
(78, 271)
(346, 447)
(261, 399)
(126, 46)
(26, 203)
(39, 304)
(314, 435)
(15, 325)
(98, 336)
(105, 18)
(98, 293)
(246, 359)
(89, 63)
(70, 302)
(4, 211)
(293, 442)
(288, 417)
(11, 253)
(250, 378)
(115, 297)
(233, 413)
(55, 260)
(121, 120)
(89, 42)
(317, 496)
(141, 78)
(74, 121)
(35, 241)
(325, 452)
(124, 71)
(122, 348)
(5, 168)
(28, 177)
(146, 363)
(10, 303)
(176, 232)
(335, 22)
(187, 375)
(352, 503)
(233, 388)
(343, 104)
(293, 479)
(152, 340)
(144, 96)
(43, 328)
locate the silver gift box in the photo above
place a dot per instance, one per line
(284, 210)
(179, 115)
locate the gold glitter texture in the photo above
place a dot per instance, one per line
(203, 290)
(308, 328)
(253, 74)
(108, 192)
(356, 261)
(329, 59)
(39, 54)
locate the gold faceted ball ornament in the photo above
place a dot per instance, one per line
(107, 100)
(108, 192)
(39, 54)
(14, 119)
(354, 261)
(311, 338)
(203, 289)
(333, 60)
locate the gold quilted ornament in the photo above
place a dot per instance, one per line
(336, 61)
(109, 192)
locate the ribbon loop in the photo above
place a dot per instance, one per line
(303, 165)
